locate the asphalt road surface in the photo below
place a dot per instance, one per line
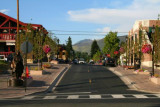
(85, 86)
(92, 79)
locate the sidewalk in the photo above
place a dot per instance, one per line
(139, 82)
(39, 83)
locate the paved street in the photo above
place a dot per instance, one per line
(92, 79)
(84, 85)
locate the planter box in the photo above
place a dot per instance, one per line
(155, 80)
(143, 73)
(54, 62)
(125, 68)
(36, 72)
(14, 82)
(30, 61)
(29, 81)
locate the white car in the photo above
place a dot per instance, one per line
(3, 58)
(81, 61)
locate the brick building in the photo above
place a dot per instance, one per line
(134, 39)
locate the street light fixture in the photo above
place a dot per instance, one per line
(153, 37)
(58, 48)
(126, 50)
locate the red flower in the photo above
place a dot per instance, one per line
(121, 50)
(108, 55)
(116, 52)
(46, 49)
(146, 48)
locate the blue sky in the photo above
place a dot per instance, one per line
(83, 15)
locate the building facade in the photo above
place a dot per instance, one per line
(8, 32)
(140, 34)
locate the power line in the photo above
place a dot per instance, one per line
(83, 31)
(79, 34)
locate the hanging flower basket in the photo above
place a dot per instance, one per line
(146, 48)
(116, 52)
(108, 55)
(121, 50)
(46, 49)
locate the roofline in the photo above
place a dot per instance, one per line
(20, 22)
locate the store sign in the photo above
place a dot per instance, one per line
(10, 43)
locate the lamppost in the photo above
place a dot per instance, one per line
(126, 50)
(57, 48)
(153, 37)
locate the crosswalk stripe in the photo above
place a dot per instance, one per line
(118, 96)
(73, 97)
(101, 96)
(158, 95)
(28, 97)
(140, 96)
(50, 97)
(95, 96)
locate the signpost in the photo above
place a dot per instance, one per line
(26, 47)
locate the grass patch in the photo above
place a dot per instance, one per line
(4, 66)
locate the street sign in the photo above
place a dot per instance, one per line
(26, 45)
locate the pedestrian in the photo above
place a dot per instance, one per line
(19, 66)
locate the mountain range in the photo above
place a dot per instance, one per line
(85, 45)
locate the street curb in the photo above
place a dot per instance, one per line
(53, 83)
(56, 81)
(128, 82)
(125, 79)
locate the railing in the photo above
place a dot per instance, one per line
(7, 36)
(5, 53)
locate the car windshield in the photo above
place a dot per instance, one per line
(2, 57)
(81, 59)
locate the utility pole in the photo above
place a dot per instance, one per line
(17, 37)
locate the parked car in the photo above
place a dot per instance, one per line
(81, 61)
(110, 61)
(3, 58)
(75, 61)
(91, 62)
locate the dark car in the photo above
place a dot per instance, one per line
(110, 62)
(75, 61)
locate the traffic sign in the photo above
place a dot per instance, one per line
(26, 47)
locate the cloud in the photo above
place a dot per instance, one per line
(123, 19)
(105, 29)
(4, 11)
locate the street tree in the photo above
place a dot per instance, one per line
(37, 48)
(111, 43)
(94, 48)
(69, 48)
(97, 56)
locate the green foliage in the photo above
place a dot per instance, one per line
(69, 48)
(82, 55)
(35, 68)
(94, 48)
(38, 45)
(52, 43)
(4, 65)
(156, 44)
(111, 43)
(97, 56)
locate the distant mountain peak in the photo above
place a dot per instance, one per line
(85, 45)
(83, 41)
